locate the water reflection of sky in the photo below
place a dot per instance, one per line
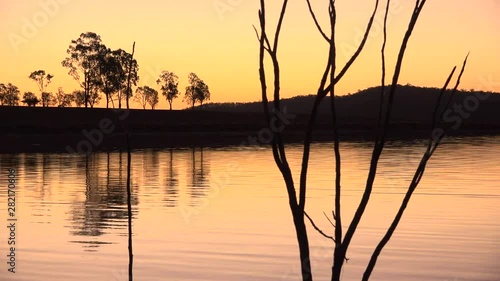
(213, 210)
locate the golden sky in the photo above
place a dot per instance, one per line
(215, 39)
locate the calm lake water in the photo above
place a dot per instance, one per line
(222, 214)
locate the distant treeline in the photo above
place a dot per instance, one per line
(100, 72)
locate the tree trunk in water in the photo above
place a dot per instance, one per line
(338, 262)
(301, 232)
(129, 211)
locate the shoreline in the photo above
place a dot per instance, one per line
(33, 130)
(79, 143)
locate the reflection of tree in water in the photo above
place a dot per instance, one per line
(172, 183)
(198, 176)
(10, 161)
(105, 205)
(35, 179)
(31, 164)
(43, 187)
(151, 167)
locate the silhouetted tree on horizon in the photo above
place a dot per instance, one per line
(197, 91)
(169, 86)
(48, 99)
(30, 99)
(111, 73)
(84, 58)
(128, 74)
(42, 79)
(146, 95)
(63, 99)
(78, 98)
(9, 94)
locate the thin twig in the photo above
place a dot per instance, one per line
(382, 87)
(454, 91)
(317, 228)
(440, 137)
(329, 220)
(258, 38)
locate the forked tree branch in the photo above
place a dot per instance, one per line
(322, 92)
(263, 82)
(277, 142)
(454, 91)
(313, 15)
(379, 145)
(356, 54)
(317, 228)
(258, 39)
(416, 179)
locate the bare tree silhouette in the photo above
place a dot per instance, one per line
(331, 76)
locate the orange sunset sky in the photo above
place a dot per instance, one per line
(215, 39)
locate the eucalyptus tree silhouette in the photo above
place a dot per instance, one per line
(197, 91)
(146, 95)
(169, 86)
(84, 59)
(9, 94)
(42, 80)
(30, 99)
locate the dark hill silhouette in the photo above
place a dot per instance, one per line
(412, 104)
(53, 129)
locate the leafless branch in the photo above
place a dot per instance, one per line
(322, 92)
(413, 185)
(382, 87)
(329, 220)
(258, 38)
(277, 142)
(356, 54)
(317, 228)
(313, 15)
(280, 23)
(453, 92)
(379, 144)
